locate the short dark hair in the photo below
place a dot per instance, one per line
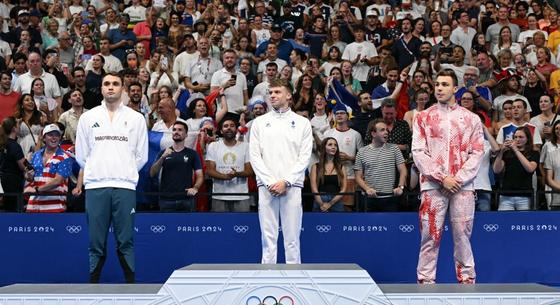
(450, 73)
(18, 56)
(272, 64)
(522, 101)
(114, 74)
(221, 123)
(78, 68)
(134, 84)
(182, 124)
(6, 72)
(510, 102)
(388, 103)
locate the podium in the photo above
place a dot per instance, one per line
(252, 284)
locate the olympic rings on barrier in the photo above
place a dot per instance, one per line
(491, 227)
(158, 229)
(406, 228)
(323, 228)
(73, 229)
(241, 229)
(276, 301)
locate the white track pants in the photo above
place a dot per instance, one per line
(271, 210)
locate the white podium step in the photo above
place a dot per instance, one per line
(322, 284)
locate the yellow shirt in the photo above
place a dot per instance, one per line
(553, 41)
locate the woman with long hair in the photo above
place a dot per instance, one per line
(352, 84)
(199, 113)
(303, 97)
(334, 59)
(13, 163)
(94, 77)
(45, 104)
(333, 40)
(505, 41)
(551, 160)
(328, 178)
(517, 161)
(32, 122)
(298, 60)
(434, 35)
(421, 97)
(418, 28)
(132, 61)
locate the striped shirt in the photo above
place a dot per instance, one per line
(60, 163)
(379, 166)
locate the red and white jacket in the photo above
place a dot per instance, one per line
(447, 141)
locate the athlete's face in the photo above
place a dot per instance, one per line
(445, 89)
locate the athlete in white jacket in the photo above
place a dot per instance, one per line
(280, 150)
(111, 147)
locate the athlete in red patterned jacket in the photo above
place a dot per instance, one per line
(447, 147)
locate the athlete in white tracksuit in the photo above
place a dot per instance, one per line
(447, 146)
(280, 149)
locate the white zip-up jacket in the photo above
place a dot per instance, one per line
(280, 148)
(111, 152)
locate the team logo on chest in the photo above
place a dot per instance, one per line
(185, 158)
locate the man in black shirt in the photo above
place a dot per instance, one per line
(407, 47)
(177, 164)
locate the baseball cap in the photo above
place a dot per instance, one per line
(51, 128)
(371, 12)
(23, 12)
(276, 28)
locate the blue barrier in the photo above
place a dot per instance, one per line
(509, 247)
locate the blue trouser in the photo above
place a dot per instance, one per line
(103, 206)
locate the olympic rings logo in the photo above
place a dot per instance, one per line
(74, 229)
(406, 228)
(241, 229)
(158, 229)
(323, 228)
(491, 227)
(255, 300)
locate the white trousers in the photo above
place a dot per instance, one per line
(286, 208)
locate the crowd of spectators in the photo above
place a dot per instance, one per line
(199, 72)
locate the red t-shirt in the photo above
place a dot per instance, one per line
(8, 104)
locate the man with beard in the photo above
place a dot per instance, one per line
(135, 100)
(362, 118)
(510, 88)
(122, 39)
(233, 83)
(448, 146)
(178, 165)
(70, 118)
(111, 148)
(227, 162)
(91, 98)
(407, 46)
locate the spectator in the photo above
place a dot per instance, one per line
(458, 64)
(298, 59)
(526, 37)
(199, 110)
(333, 59)
(376, 33)
(8, 96)
(397, 130)
(121, 39)
(111, 63)
(493, 31)
(259, 34)
(505, 41)
(177, 174)
(507, 108)
(257, 107)
(317, 36)
(445, 46)
(184, 58)
(199, 72)
(246, 67)
(24, 25)
(390, 88)
(350, 142)
(333, 40)
(421, 97)
(543, 62)
(227, 162)
(32, 122)
(353, 85)
(361, 119)
(50, 34)
(232, 83)
(271, 56)
(303, 98)
(376, 169)
(328, 178)
(262, 88)
(468, 101)
(283, 45)
(483, 180)
(66, 51)
(518, 117)
(543, 121)
(51, 169)
(551, 167)
(482, 94)
(362, 54)
(23, 83)
(45, 104)
(168, 118)
(70, 118)
(406, 48)
(509, 89)
(518, 161)
(534, 88)
(13, 163)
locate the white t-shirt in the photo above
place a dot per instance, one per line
(52, 89)
(262, 66)
(167, 138)
(459, 71)
(136, 13)
(528, 34)
(349, 142)
(499, 101)
(112, 64)
(181, 61)
(228, 157)
(365, 49)
(234, 95)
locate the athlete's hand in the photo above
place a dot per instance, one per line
(450, 184)
(278, 188)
